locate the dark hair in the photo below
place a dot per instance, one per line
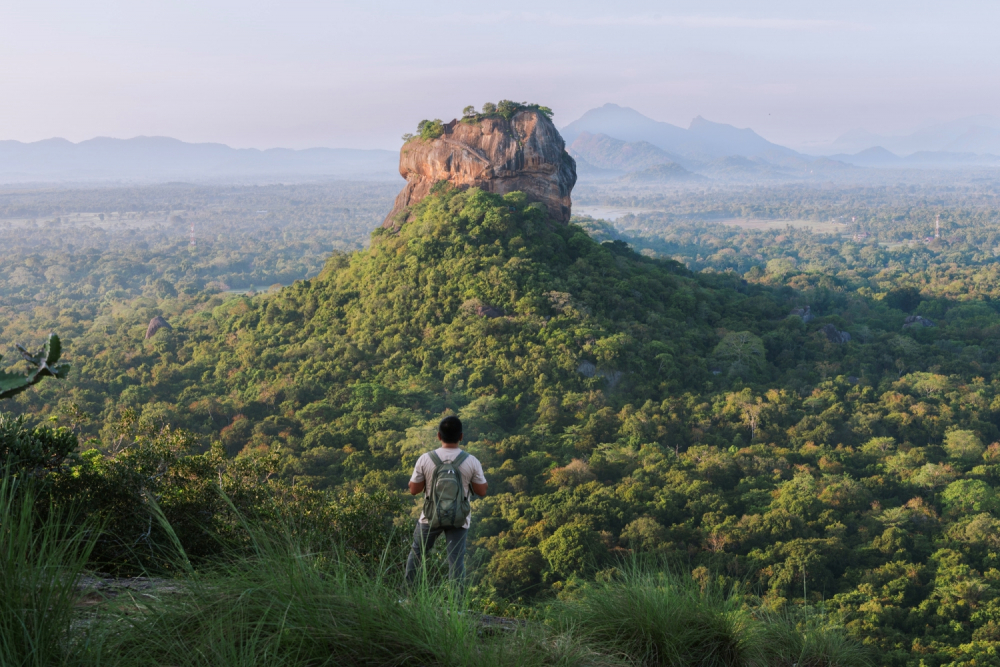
(450, 430)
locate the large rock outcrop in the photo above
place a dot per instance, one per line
(524, 153)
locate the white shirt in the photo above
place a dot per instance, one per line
(471, 470)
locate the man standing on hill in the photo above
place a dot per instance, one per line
(447, 476)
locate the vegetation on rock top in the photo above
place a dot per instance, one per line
(505, 109)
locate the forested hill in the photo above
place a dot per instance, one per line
(619, 403)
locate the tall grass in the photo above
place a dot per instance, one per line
(651, 616)
(41, 559)
(286, 605)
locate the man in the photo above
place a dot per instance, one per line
(432, 524)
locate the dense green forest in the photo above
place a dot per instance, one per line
(69, 249)
(814, 418)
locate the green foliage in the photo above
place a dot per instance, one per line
(903, 298)
(41, 365)
(963, 445)
(35, 451)
(852, 482)
(505, 109)
(149, 471)
(572, 549)
(517, 572)
(741, 354)
(430, 129)
(661, 618)
(969, 496)
(41, 559)
(291, 603)
(63, 266)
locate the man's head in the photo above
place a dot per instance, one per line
(450, 430)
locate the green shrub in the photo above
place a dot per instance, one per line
(42, 364)
(430, 129)
(41, 559)
(38, 450)
(505, 109)
(652, 616)
(148, 465)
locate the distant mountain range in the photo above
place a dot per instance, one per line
(702, 140)
(163, 159)
(610, 142)
(978, 135)
(880, 158)
(614, 142)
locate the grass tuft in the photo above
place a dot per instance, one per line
(655, 617)
(41, 560)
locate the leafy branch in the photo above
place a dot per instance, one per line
(44, 364)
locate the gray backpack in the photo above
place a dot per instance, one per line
(446, 503)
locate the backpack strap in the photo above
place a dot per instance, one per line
(434, 457)
(457, 462)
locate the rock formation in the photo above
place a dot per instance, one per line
(524, 153)
(155, 325)
(834, 335)
(912, 321)
(803, 313)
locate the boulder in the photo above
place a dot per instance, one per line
(155, 325)
(912, 321)
(477, 307)
(834, 335)
(525, 153)
(802, 313)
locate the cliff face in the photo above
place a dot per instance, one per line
(525, 153)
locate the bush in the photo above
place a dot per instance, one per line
(517, 571)
(41, 559)
(505, 109)
(572, 549)
(202, 496)
(430, 129)
(652, 616)
(38, 450)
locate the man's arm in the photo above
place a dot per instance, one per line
(418, 480)
(478, 481)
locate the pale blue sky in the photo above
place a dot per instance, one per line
(302, 73)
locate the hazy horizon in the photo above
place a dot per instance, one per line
(305, 74)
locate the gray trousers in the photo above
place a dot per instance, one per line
(424, 539)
